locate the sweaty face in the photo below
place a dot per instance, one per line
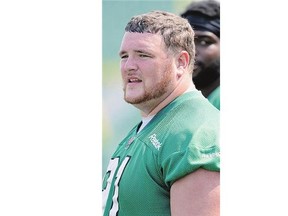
(207, 65)
(146, 69)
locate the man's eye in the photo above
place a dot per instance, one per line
(203, 43)
(143, 55)
(124, 56)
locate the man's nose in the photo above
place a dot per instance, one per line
(130, 64)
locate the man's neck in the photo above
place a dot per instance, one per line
(174, 94)
(207, 90)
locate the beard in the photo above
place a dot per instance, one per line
(157, 91)
(207, 74)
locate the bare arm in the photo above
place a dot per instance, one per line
(197, 194)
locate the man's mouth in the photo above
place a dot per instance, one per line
(134, 80)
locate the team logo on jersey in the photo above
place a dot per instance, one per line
(130, 141)
(155, 141)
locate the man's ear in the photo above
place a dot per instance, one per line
(182, 63)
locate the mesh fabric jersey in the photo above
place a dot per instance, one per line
(181, 138)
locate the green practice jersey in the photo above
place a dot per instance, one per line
(181, 138)
(214, 97)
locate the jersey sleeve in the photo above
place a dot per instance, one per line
(189, 151)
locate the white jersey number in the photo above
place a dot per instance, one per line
(113, 164)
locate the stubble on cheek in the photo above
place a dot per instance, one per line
(157, 90)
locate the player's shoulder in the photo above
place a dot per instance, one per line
(176, 125)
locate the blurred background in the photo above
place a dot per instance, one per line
(118, 117)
